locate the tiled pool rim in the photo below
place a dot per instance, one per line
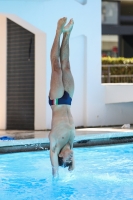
(38, 140)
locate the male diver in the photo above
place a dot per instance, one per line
(61, 92)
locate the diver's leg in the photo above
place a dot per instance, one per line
(56, 86)
(67, 77)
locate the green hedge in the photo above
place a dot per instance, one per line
(127, 70)
(119, 60)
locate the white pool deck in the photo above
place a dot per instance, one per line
(34, 137)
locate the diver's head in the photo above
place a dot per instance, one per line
(64, 164)
(65, 156)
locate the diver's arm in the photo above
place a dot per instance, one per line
(53, 155)
(54, 162)
(73, 159)
(72, 166)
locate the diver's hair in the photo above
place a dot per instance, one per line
(60, 161)
(62, 164)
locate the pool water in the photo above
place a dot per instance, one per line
(102, 173)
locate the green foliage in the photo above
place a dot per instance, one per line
(114, 61)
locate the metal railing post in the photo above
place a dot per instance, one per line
(108, 74)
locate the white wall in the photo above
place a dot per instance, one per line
(118, 100)
(3, 41)
(78, 51)
(89, 107)
(118, 93)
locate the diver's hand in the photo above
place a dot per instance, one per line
(72, 166)
(55, 171)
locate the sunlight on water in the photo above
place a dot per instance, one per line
(101, 173)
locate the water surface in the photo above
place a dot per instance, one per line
(101, 173)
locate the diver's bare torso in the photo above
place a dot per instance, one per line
(63, 129)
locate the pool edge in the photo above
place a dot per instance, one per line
(39, 145)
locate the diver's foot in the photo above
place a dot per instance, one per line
(69, 26)
(61, 23)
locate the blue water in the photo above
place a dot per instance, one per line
(102, 173)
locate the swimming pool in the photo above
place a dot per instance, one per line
(101, 173)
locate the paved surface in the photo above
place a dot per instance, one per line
(91, 132)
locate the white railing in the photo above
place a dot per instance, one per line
(107, 77)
